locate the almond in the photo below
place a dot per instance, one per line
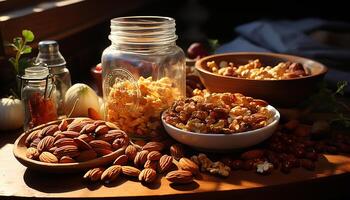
(154, 155)
(102, 129)
(151, 164)
(148, 175)
(48, 157)
(100, 144)
(71, 134)
(66, 159)
(86, 155)
(58, 136)
(121, 160)
(140, 158)
(102, 151)
(131, 152)
(112, 125)
(63, 125)
(165, 163)
(76, 126)
(32, 136)
(51, 129)
(46, 143)
(52, 149)
(94, 174)
(68, 150)
(119, 143)
(130, 171)
(44, 130)
(252, 154)
(99, 122)
(35, 142)
(179, 176)
(111, 173)
(176, 151)
(64, 142)
(111, 135)
(82, 144)
(32, 153)
(153, 146)
(88, 128)
(188, 165)
(86, 137)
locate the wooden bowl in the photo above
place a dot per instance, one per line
(283, 93)
(20, 148)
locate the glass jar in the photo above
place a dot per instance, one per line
(143, 73)
(49, 54)
(38, 94)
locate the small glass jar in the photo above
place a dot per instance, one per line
(143, 73)
(38, 94)
(49, 54)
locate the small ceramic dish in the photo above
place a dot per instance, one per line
(285, 93)
(223, 142)
(20, 148)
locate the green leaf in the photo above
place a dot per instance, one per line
(26, 49)
(214, 44)
(28, 35)
(18, 42)
(341, 85)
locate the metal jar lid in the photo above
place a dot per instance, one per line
(49, 53)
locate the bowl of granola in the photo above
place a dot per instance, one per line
(220, 121)
(283, 80)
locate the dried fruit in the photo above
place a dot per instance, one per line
(130, 171)
(121, 160)
(94, 174)
(140, 158)
(176, 151)
(153, 146)
(252, 154)
(32, 153)
(66, 159)
(308, 164)
(111, 173)
(131, 152)
(188, 165)
(179, 176)
(68, 150)
(86, 155)
(147, 175)
(154, 155)
(46, 143)
(165, 163)
(48, 157)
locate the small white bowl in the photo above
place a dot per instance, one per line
(222, 142)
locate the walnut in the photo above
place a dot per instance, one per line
(217, 168)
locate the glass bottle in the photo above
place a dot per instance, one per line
(38, 95)
(49, 54)
(143, 73)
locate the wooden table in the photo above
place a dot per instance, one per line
(330, 181)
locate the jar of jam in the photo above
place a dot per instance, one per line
(39, 96)
(143, 73)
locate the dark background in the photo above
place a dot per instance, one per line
(196, 20)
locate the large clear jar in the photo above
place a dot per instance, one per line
(49, 54)
(143, 73)
(39, 96)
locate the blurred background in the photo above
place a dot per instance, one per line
(81, 27)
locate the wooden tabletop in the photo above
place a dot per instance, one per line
(330, 180)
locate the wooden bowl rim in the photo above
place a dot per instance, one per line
(21, 157)
(200, 62)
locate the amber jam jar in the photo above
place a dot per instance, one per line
(143, 73)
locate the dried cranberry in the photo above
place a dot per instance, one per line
(248, 165)
(308, 164)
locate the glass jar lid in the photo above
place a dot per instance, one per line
(36, 73)
(49, 53)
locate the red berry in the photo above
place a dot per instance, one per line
(98, 67)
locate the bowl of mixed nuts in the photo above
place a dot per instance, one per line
(220, 121)
(283, 80)
(69, 145)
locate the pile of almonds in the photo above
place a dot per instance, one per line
(146, 163)
(81, 140)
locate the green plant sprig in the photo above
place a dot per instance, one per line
(20, 46)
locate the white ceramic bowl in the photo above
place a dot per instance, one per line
(222, 142)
